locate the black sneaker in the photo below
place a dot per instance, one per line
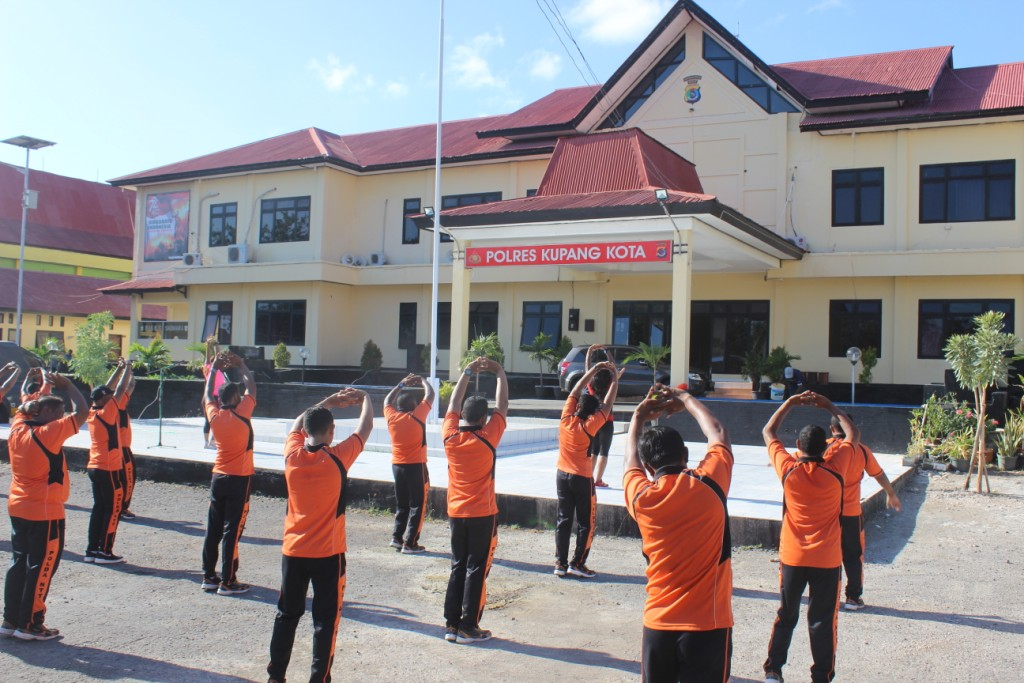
(211, 583)
(560, 569)
(36, 633)
(853, 604)
(91, 555)
(473, 634)
(451, 633)
(396, 544)
(232, 588)
(582, 571)
(413, 549)
(107, 558)
(127, 514)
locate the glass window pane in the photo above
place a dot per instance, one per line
(759, 94)
(933, 202)
(870, 205)
(1000, 199)
(844, 206)
(966, 200)
(966, 171)
(933, 172)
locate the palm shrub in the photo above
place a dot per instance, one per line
(92, 356)
(539, 352)
(652, 355)
(153, 358)
(776, 362)
(979, 360)
(486, 346)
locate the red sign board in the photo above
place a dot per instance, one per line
(570, 254)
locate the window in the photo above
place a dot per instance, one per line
(531, 192)
(857, 196)
(39, 320)
(284, 220)
(646, 87)
(541, 316)
(410, 233)
(51, 321)
(281, 321)
(43, 336)
(116, 343)
(407, 325)
(723, 332)
(483, 318)
(217, 322)
(756, 88)
(455, 200)
(649, 322)
(444, 325)
(854, 323)
(172, 329)
(62, 321)
(223, 224)
(938, 320)
(980, 191)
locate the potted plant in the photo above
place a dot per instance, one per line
(957, 448)
(539, 352)
(777, 361)
(1010, 440)
(554, 357)
(755, 365)
(485, 346)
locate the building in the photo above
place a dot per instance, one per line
(866, 200)
(78, 239)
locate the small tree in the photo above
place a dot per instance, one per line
(486, 346)
(980, 360)
(652, 355)
(868, 361)
(91, 361)
(539, 351)
(557, 353)
(282, 356)
(194, 364)
(153, 358)
(755, 366)
(373, 358)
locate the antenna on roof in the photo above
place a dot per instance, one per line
(737, 28)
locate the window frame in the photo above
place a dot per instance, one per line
(987, 176)
(224, 215)
(1005, 305)
(859, 320)
(222, 327)
(411, 233)
(266, 337)
(857, 185)
(269, 207)
(745, 78)
(542, 315)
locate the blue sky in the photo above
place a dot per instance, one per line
(124, 87)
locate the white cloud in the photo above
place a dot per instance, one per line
(614, 21)
(469, 62)
(395, 89)
(333, 74)
(824, 5)
(543, 64)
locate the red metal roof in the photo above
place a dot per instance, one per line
(72, 215)
(559, 107)
(960, 93)
(619, 160)
(57, 294)
(885, 73)
(143, 283)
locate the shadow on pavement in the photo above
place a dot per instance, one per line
(602, 577)
(103, 664)
(394, 618)
(884, 542)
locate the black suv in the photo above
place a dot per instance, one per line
(634, 382)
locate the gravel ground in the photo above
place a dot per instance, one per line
(942, 585)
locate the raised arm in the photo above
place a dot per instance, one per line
(210, 394)
(428, 391)
(501, 392)
(771, 429)
(588, 362)
(365, 424)
(584, 381)
(78, 403)
(459, 392)
(613, 390)
(712, 428)
(392, 398)
(247, 377)
(122, 381)
(8, 377)
(650, 408)
(849, 428)
(33, 373)
(115, 376)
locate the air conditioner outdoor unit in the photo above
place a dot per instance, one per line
(378, 258)
(192, 259)
(238, 253)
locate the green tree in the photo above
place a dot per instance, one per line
(153, 358)
(282, 356)
(652, 355)
(92, 355)
(486, 346)
(373, 357)
(539, 351)
(868, 361)
(980, 360)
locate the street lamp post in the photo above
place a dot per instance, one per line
(853, 355)
(304, 355)
(29, 144)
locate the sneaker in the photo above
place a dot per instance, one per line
(853, 604)
(232, 588)
(600, 484)
(90, 555)
(397, 545)
(772, 677)
(127, 514)
(211, 583)
(36, 633)
(107, 558)
(582, 571)
(8, 629)
(559, 569)
(413, 549)
(472, 635)
(451, 633)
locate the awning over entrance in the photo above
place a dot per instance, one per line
(143, 284)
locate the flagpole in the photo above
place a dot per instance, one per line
(437, 207)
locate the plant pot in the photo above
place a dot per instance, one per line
(541, 391)
(911, 460)
(764, 391)
(1008, 463)
(961, 464)
(989, 454)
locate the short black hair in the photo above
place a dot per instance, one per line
(407, 401)
(601, 381)
(99, 392)
(662, 446)
(836, 425)
(588, 405)
(45, 402)
(230, 393)
(317, 420)
(474, 409)
(812, 441)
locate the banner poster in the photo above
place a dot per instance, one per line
(570, 254)
(166, 226)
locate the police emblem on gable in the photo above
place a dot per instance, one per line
(692, 91)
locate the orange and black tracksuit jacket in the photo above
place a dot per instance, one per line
(574, 482)
(861, 461)
(314, 548)
(107, 474)
(124, 425)
(408, 433)
(229, 486)
(472, 512)
(39, 488)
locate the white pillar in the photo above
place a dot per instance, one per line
(461, 277)
(682, 264)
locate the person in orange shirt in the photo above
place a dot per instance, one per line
(106, 466)
(406, 418)
(230, 414)
(37, 383)
(471, 443)
(601, 444)
(810, 552)
(684, 523)
(124, 425)
(582, 418)
(852, 521)
(39, 488)
(314, 546)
